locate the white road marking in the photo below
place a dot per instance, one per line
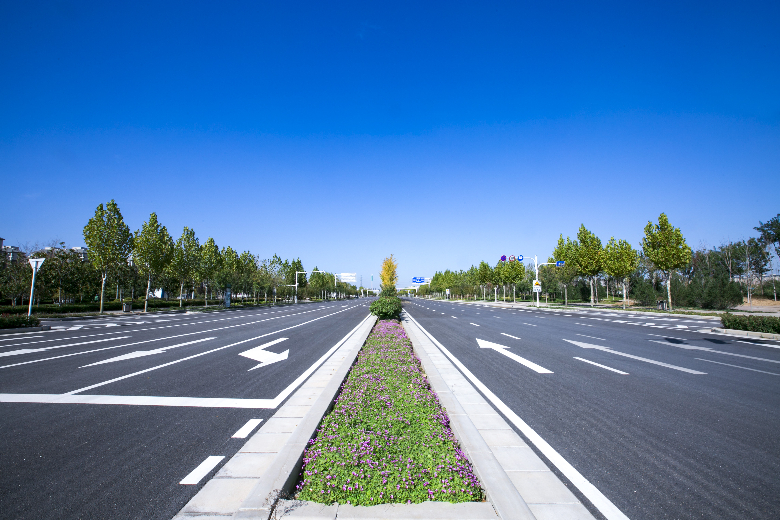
(475, 324)
(759, 344)
(591, 337)
(246, 429)
(143, 353)
(455, 318)
(503, 350)
(265, 357)
(509, 335)
(602, 366)
(708, 349)
(583, 324)
(652, 361)
(737, 366)
(44, 349)
(13, 339)
(201, 471)
(591, 492)
(141, 400)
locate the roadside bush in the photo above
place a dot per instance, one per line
(387, 308)
(14, 322)
(767, 324)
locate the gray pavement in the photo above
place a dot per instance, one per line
(662, 416)
(105, 418)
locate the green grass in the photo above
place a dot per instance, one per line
(387, 439)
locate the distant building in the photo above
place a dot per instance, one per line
(12, 253)
(82, 252)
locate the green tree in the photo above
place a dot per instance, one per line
(230, 269)
(210, 262)
(186, 254)
(665, 246)
(152, 251)
(589, 256)
(248, 267)
(620, 260)
(770, 232)
(109, 241)
(566, 251)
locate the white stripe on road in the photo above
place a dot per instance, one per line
(509, 335)
(14, 339)
(201, 471)
(602, 366)
(708, 349)
(596, 497)
(64, 339)
(475, 324)
(246, 429)
(44, 349)
(143, 353)
(591, 337)
(737, 366)
(141, 400)
(759, 344)
(652, 361)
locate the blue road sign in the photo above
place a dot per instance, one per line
(519, 258)
(418, 279)
(559, 263)
(503, 258)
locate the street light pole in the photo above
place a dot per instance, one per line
(35, 263)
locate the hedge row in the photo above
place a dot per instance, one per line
(95, 307)
(14, 322)
(387, 308)
(751, 323)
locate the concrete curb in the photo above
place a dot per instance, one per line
(280, 478)
(24, 329)
(747, 333)
(507, 501)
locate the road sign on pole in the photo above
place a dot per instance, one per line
(560, 263)
(519, 258)
(537, 286)
(35, 263)
(348, 277)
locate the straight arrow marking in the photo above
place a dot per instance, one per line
(652, 361)
(504, 350)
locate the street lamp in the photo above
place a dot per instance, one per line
(35, 263)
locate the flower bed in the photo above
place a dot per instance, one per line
(387, 439)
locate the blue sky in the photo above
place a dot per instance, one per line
(444, 133)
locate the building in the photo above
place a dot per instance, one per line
(82, 252)
(12, 253)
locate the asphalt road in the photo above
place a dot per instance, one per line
(689, 429)
(60, 458)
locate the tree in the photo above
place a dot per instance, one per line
(109, 241)
(210, 262)
(248, 267)
(665, 246)
(770, 232)
(388, 274)
(589, 256)
(185, 259)
(567, 252)
(152, 251)
(620, 260)
(231, 268)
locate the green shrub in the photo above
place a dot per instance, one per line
(767, 324)
(14, 322)
(387, 308)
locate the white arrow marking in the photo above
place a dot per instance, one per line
(264, 357)
(142, 353)
(503, 350)
(607, 349)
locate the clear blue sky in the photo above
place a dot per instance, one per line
(339, 133)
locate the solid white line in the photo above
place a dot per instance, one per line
(759, 344)
(596, 497)
(140, 400)
(737, 366)
(246, 429)
(509, 335)
(201, 471)
(44, 349)
(712, 351)
(591, 337)
(14, 339)
(602, 366)
(474, 324)
(652, 361)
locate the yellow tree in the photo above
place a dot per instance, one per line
(388, 274)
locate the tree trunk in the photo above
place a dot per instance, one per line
(591, 291)
(565, 295)
(102, 292)
(181, 294)
(624, 294)
(669, 289)
(148, 286)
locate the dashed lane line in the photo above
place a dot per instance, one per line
(600, 365)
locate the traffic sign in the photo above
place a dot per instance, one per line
(519, 258)
(512, 258)
(503, 258)
(537, 286)
(348, 277)
(559, 263)
(418, 279)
